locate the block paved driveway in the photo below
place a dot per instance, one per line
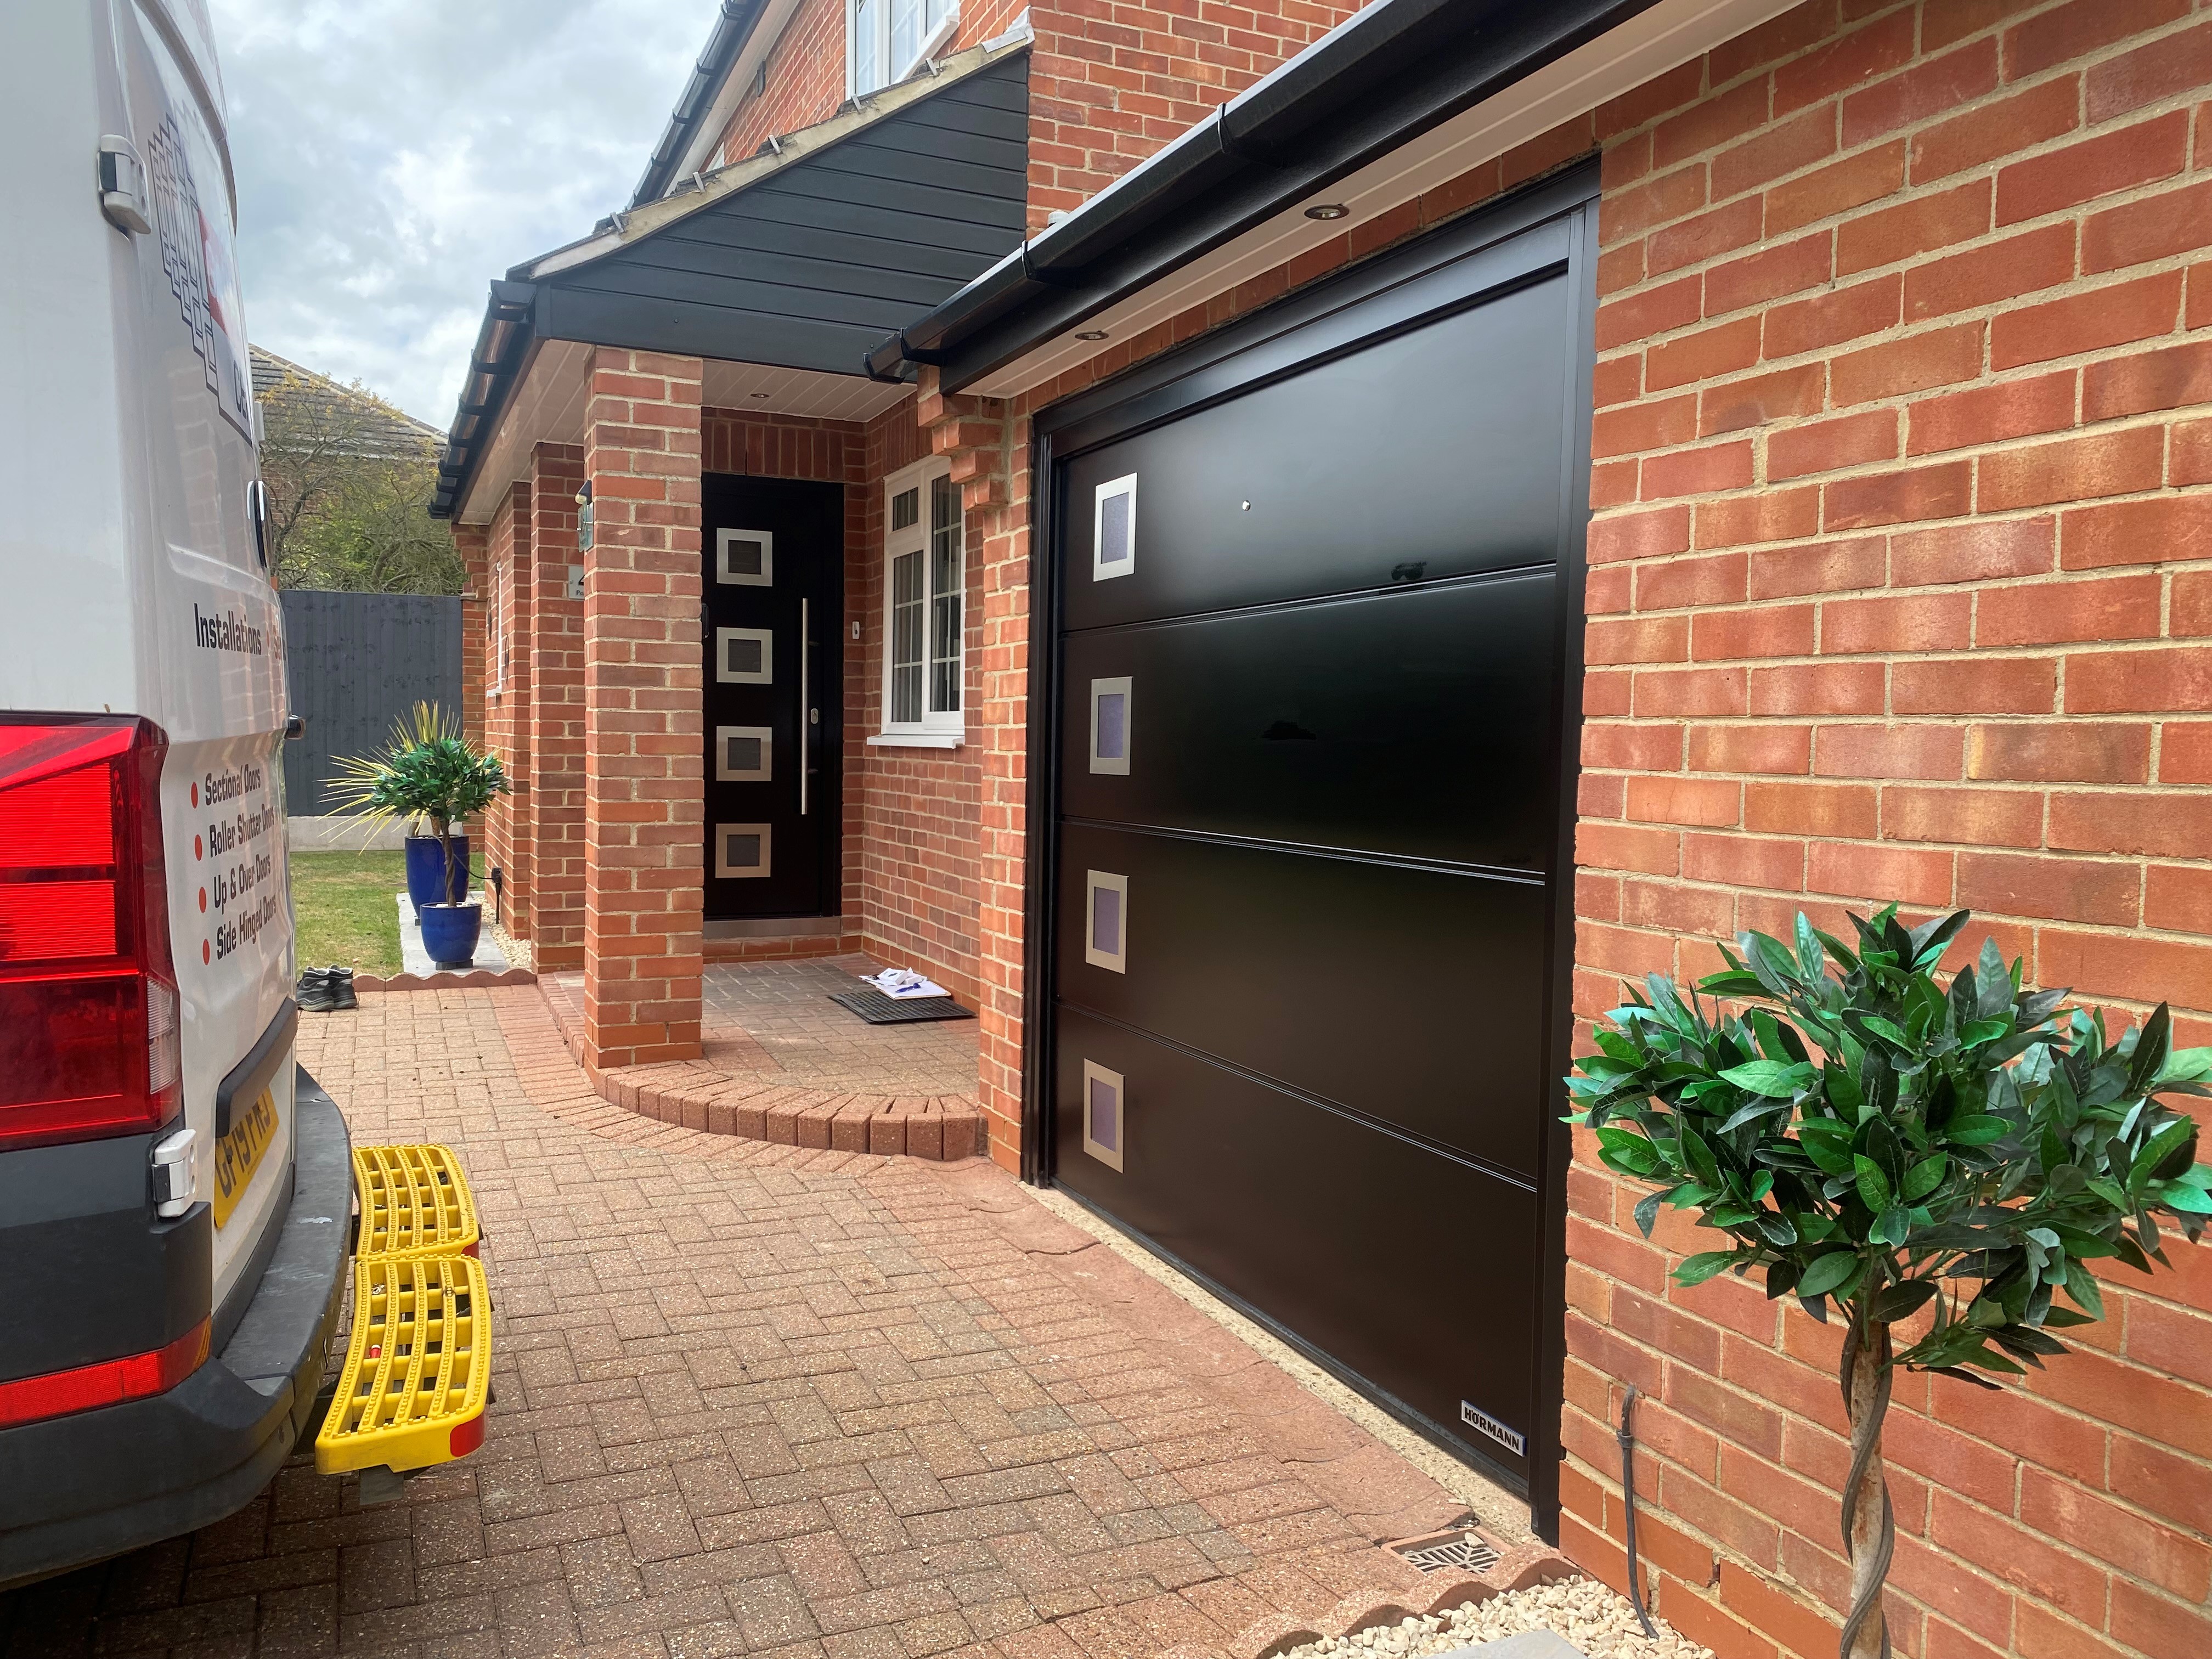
(758, 1400)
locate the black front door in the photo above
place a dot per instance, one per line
(1308, 1008)
(775, 552)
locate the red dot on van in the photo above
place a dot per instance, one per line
(204, 950)
(203, 901)
(196, 794)
(196, 852)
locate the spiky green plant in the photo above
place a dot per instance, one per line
(1903, 1151)
(426, 771)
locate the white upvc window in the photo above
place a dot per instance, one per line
(495, 644)
(925, 617)
(886, 39)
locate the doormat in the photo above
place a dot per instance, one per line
(877, 1009)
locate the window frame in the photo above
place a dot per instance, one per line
(933, 42)
(937, 729)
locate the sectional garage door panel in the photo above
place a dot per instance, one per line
(1311, 737)
(1365, 1245)
(1436, 452)
(1359, 982)
(1382, 722)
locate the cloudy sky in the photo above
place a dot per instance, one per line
(393, 157)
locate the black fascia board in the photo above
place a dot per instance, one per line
(503, 341)
(733, 26)
(1389, 74)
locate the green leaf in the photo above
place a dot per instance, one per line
(2152, 1043)
(2180, 1196)
(2172, 1138)
(1629, 1153)
(1773, 1078)
(1873, 1184)
(1924, 1177)
(1700, 1267)
(1977, 1129)
(1891, 1226)
(2081, 1285)
(1826, 1273)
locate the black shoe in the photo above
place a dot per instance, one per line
(340, 980)
(313, 993)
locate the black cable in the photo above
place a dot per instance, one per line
(1627, 1436)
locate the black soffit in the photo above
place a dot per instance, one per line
(799, 260)
(1389, 74)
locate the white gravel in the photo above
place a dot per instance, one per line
(1601, 1624)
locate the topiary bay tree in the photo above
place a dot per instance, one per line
(1948, 1158)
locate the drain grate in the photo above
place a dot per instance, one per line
(1467, 1552)
(877, 1009)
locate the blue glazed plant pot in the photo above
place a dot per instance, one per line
(426, 871)
(450, 933)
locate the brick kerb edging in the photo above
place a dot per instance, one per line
(1522, 1567)
(697, 1095)
(451, 980)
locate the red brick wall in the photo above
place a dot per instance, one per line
(1900, 550)
(1109, 85)
(918, 866)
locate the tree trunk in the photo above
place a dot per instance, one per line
(445, 829)
(1869, 1537)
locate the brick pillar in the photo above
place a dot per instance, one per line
(644, 737)
(990, 464)
(556, 823)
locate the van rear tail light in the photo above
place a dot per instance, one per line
(90, 1040)
(110, 1383)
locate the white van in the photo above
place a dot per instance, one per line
(174, 1193)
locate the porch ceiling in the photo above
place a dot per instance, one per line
(547, 407)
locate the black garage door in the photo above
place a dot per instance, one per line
(1318, 596)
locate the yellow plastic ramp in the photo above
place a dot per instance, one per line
(418, 1369)
(414, 1201)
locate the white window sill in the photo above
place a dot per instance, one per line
(917, 740)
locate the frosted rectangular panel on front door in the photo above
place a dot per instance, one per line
(745, 558)
(741, 850)
(1105, 910)
(1109, 725)
(743, 754)
(745, 656)
(1114, 529)
(1105, 1114)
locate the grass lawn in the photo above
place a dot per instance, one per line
(346, 909)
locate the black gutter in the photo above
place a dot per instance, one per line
(502, 346)
(731, 29)
(1389, 74)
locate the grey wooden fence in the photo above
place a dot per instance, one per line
(357, 662)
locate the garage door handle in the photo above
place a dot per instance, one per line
(806, 693)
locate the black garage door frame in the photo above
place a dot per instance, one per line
(1471, 260)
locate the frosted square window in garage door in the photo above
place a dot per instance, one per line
(1105, 1115)
(745, 558)
(745, 656)
(742, 754)
(741, 851)
(1109, 725)
(1105, 911)
(1114, 529)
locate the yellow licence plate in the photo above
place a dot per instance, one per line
(239, 1154)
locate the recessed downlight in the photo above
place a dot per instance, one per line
(1091, 334)
(1328, 210)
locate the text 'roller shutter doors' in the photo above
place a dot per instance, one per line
(1308, 791)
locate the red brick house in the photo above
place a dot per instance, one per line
(1495, 496)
